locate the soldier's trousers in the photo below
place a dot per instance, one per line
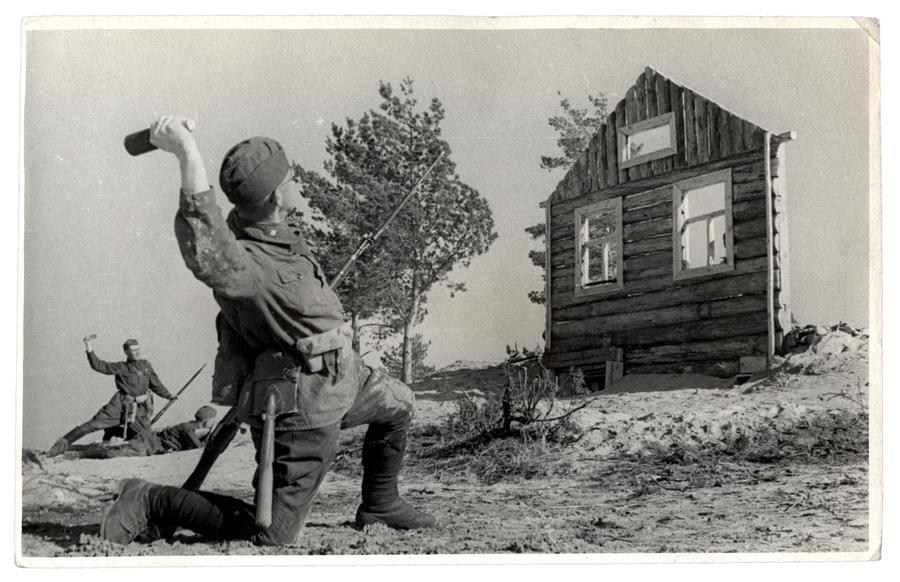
(301, 460)
(111, 416)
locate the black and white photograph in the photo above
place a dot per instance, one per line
(501, 290)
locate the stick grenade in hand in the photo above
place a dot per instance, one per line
(138, 143)
(266, 458)
(171, 402)
(224, 433)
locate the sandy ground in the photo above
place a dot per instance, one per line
(664, 464)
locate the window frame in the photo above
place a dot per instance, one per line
(628, 130)
(581, 216)
(678, 190)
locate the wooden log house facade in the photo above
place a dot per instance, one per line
(667, 242)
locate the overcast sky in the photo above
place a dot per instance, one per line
(100, 254)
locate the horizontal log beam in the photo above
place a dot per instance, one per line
(563, 287)
(702, 290)
(682, 314)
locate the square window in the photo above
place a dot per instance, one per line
(647, 140)
(598, 247)
(702, 237)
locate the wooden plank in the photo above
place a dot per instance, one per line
(752, 172)
(727, 349)
(748, 210)
(759, 137)
(650, 93)
(621, 117)
(748, 135)
(592, 165)
(564, 286)
(548, 281)
(647, 229)
(663, 106)
(640, 100)
(712, 125)
(647, 245)
(719, 369)
(641, 263)
(705, 290)
(752, 229)
(701, 121)
(647, 198)
(677, 107)
(595, 355)
(582, 176)
(612, 154)
(691, 157)
(737, 135)
(732, 325)
(748, 191)
(631, 116)
(724, 129)
(683, 313)
(749, 248)
(601, 158)
(779, 192)
(659, 210)
(653, 167)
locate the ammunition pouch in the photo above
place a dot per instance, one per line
(323, 351)
(280, 371)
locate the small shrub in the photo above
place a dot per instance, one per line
(517, 428)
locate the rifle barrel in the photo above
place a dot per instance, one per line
(183, 388)
(371, 238)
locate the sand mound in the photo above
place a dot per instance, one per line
(831, 351)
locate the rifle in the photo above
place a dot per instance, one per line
(225, 431)
(170, 402)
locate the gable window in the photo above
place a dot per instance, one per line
(702, 238)
(647, 140)
(598, 247)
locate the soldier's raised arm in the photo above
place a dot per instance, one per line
(208, 247)
(98, 365)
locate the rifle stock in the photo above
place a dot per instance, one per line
(218, 441)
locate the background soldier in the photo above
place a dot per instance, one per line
(132, 402)
(185, 436)
(280, 333)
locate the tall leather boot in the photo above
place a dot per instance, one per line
(145, 510)
(63, 443)
(383, 450)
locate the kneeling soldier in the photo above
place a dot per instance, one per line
(282, 343)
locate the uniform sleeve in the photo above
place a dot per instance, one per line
(156, 384)
(195, 441)
(210, 250)
(99, 365)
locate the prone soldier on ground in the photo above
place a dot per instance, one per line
(185, 436)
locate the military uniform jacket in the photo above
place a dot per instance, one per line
(132, 378)
(271, 293)
(180, 437)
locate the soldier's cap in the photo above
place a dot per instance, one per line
(252, 170)
(205, 413)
